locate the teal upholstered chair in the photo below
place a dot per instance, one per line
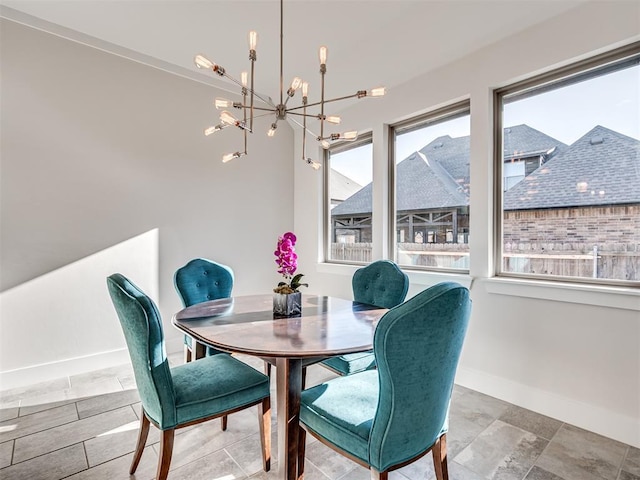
(382, 284)
(187, 394)
(389, 417)
(201, 280)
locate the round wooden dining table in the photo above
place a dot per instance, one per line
(327, 326)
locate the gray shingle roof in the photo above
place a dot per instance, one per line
(522, 140)
(453, 155)
(574, 176)
(601, 161)
(420, 184)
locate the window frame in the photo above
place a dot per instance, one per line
(339, 147)
(448, 112)
(573, 73)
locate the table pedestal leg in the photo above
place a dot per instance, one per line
(289, 386)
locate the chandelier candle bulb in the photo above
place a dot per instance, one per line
(322, 54)
(221, 103)
(244, 76)
(204, 62)
(349, 135)
(295, 84)
(253, 40)
(335, 119)
(214, 129)
(226, 117)
(377, 92)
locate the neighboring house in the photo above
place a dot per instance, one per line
(571, 209)
(342, 187)
(583, 204)
(432, 188)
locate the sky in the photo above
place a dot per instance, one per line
(567, 113)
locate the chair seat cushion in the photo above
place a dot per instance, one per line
(214, 384)
(351, 363)
(342, 411)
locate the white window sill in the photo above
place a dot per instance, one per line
(627, 298)
(416, 277)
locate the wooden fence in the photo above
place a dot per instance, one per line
(606, 261)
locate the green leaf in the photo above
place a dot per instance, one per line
(295, 282)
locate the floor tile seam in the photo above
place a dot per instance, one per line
(13, 450)
(473, 439)
(109, 409)
(64, 446)
(47, 453)
(44, 430)
(246, 474)
(307, 461)
(245, 437)
(69, 401)
(535, 462)
(345, 477)
(44, 410)
(624, 459)
(531, 468)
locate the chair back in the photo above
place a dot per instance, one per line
(380, 283)
(202, 280)
(417, 346)
(142, 327)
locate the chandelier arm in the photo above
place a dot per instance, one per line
(265, 100)
(251, 90)
(337, 99)
(281, 50)
(302, 126)
(323, 71)
(264, 114)
(244, 111)
(303, 114)
(252, 55)
(262, 109)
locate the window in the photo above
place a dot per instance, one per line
(568, 157)
(348, 178)
(431, 190)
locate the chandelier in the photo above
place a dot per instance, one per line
(280, 111)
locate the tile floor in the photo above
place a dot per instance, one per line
(84, 427)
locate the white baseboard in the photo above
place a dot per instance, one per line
(73, 366)
(590, 417)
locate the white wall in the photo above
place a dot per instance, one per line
(105, 169)
(573, 354)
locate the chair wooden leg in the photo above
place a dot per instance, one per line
(304, 377)
(223, 423)
(166, 450)
(439, 452)
(264, 419)
(302, 444)
(376, 475)
(187, 353)
(143, 433)
(267, 369)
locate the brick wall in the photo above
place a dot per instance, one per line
(591, 226)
